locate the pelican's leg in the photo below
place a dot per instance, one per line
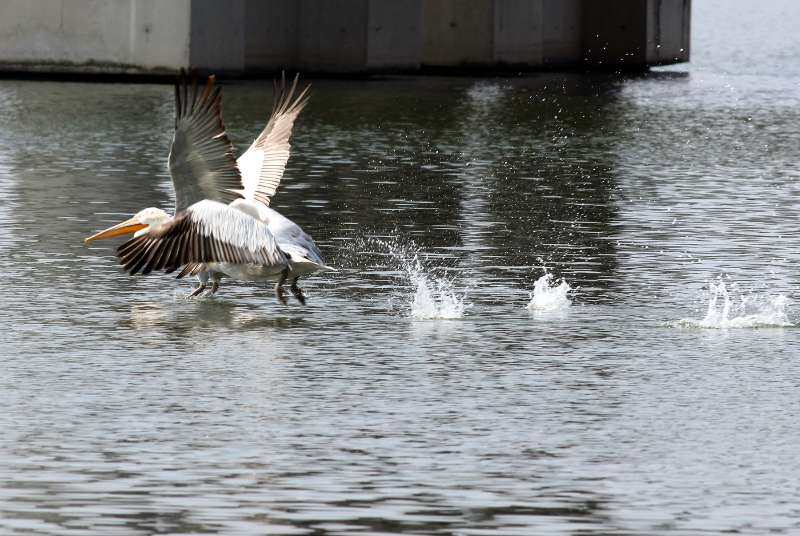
(216, 277)
(202, 277)
(279, 286)
(297, 291)
(198, 290)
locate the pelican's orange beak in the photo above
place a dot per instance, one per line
(128, 226)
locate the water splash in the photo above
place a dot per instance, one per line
(547, 296)
(434, 297)
(729, 307)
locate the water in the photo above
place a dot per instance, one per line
(127, 409)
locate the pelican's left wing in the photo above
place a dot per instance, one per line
(262, 165)
(207, 231)
(201, 158)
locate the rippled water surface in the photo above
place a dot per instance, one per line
(420, 390)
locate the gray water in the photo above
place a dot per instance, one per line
(380, 407)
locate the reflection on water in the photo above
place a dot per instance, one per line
(127, 409)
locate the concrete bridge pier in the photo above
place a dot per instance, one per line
(244, 37)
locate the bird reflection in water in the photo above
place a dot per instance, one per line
(174, 321)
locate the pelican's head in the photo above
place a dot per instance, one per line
(138, 224)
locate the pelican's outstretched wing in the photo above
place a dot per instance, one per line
(207, 231)
(201, 157)
(263, 163)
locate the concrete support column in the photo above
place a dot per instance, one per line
(617, 34)
(332, 36)
(217, 35)
(668, 27)
(271, 28)
(94, 35)
(457, 32)
(518, 31)
(635, 33)
(340, 36)
(394, 34)
(528, 33)
(537, 32)
(561, 33)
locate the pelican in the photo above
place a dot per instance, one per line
(223, 225)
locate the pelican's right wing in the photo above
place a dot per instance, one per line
(207, 231)
(201, 158)
(262, 165)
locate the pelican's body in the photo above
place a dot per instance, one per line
(223, 225)
(245, 272)
(304, 255)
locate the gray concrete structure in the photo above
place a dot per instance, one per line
(340, 36)
(644, 32)
(94, 35)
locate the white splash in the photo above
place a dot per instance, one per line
(731, 308)
(434, 298)
(547, 296)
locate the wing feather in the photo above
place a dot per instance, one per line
(139, 258)
(264, 162)
(201, 158)
(163, 257)
(175, 248)
(207, 231)
(187, 270)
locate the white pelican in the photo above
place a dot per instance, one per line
(223, 225)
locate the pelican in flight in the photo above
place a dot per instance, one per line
(223, 225)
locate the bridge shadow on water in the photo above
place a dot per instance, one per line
(495, 178)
